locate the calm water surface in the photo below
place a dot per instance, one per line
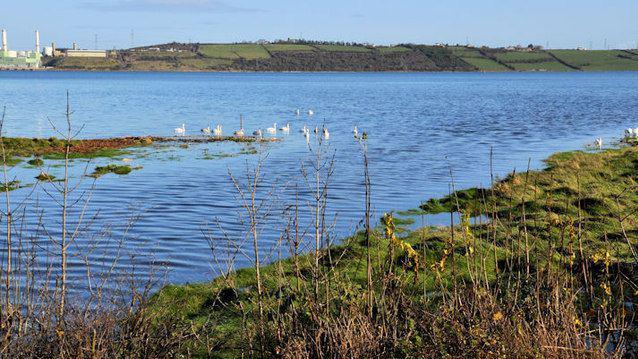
(420, 126)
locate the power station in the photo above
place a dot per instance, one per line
(11, 59)
(25, 60)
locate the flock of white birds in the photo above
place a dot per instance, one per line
(217, 131)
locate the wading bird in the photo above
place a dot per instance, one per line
(257, 133)
(326, 134)
(218, 130)
(206, 130)
(599, 143)
(355, 131)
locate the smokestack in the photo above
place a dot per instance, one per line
(75, 46)
(4, 40)
(37, 41)
(53, 48)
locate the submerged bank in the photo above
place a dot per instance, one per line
(17, 148)
(555, 263)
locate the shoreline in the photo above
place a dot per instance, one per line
(540, 198)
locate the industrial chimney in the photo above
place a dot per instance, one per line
(4, 41)
(37, 41)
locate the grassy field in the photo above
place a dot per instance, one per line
(565, 226)
(90, 64)
(517, 57)
(289, 48)
(478, 60)
(597, 60)
(553, 66)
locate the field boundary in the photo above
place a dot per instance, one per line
(495, 59)
(574, 67)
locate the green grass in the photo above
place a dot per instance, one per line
(94, 64)
(485, 64)
(343, 48)
(234, 51)
(288, 48)
(478, 60)
(516, 56)
(597, 60)
(541, 66)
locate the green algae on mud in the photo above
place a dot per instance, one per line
(113, 168)
(52, 148)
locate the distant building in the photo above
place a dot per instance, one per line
(11, 59)
(86, 53)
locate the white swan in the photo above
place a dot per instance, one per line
(206, 130)
(180, 131)
(217, 130)
(257, 133)
(311, 112)
(304, 129)
(326, 134)
(272, 130)
(355, 131)
(285, 129)
(239, 133)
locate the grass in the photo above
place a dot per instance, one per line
(234, 51)
(478, 60)
(91, 64)
(485, 64)
(516, 56)
(554, 66)
(580, 199)
(597, 60)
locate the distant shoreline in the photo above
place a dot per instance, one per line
(338, 57)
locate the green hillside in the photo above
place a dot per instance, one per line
(599, 60)
(334, 56)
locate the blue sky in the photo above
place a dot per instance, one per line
(561, 23)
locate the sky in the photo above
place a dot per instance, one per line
(122, 23)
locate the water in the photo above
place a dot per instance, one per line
(422, 127)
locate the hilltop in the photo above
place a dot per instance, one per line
(324, 56)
